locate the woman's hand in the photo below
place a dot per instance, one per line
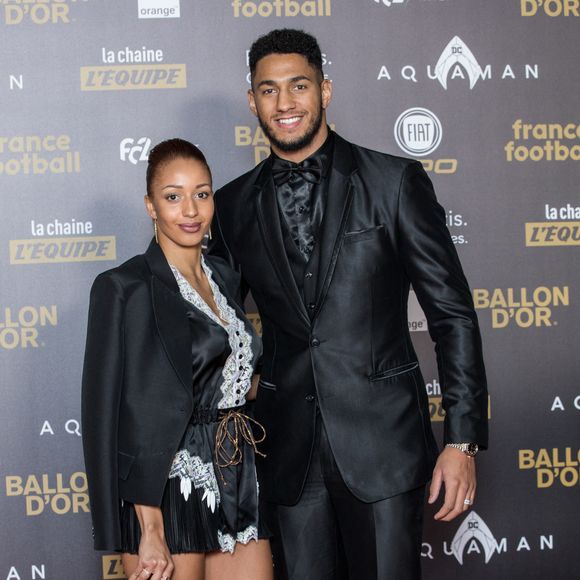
(251, 394)
(154, 558)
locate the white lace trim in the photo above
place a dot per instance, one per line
(228, 543)
(237, 372)
(192, 470)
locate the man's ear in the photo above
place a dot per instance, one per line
(326, 88)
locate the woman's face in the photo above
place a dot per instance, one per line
(181, 202)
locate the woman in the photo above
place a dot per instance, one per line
(169, 364)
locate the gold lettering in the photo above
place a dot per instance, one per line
(134, 77)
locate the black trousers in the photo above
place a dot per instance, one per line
(331, 535)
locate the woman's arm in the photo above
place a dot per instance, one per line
(252, 393)
(154, 556)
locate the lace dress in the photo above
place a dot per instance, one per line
(211, 499)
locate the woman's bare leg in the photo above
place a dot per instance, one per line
(252, 561)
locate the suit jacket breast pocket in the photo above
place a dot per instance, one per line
(362, 234)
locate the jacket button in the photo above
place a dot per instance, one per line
(308, 275)
(309, 398)
(311, 305)
(315, 342)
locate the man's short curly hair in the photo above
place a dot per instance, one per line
(287, 41)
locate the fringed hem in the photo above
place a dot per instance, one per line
(189, 526)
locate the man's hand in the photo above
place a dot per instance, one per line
(456, 471)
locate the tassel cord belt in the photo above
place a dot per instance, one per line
(235, 428)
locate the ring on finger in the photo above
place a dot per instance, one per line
(467, 501)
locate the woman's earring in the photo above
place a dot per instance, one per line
(209, 233)
(155, 230)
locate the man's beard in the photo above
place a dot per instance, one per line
(298, 143)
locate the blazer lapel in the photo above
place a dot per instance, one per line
(170, 315)
(338, 204)
(271, 230)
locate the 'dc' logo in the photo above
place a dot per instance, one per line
(418, 131)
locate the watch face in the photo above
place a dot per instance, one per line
(472, 449)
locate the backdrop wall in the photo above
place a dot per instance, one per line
(484, 92)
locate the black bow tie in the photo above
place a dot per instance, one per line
(309, 169)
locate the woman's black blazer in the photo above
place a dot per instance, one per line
(137, 393)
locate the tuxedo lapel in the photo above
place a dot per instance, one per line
(338, 204)
(271, 230)
(170, 315)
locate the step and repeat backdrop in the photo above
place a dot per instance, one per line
(483, 92)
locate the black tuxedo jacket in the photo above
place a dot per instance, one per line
(137, 394)
(382, 231)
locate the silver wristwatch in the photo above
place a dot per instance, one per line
(469, 449)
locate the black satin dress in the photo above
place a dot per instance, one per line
(211, 499)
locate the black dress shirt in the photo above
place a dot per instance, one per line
(301, 198)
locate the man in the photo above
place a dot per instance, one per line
(329, 236)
